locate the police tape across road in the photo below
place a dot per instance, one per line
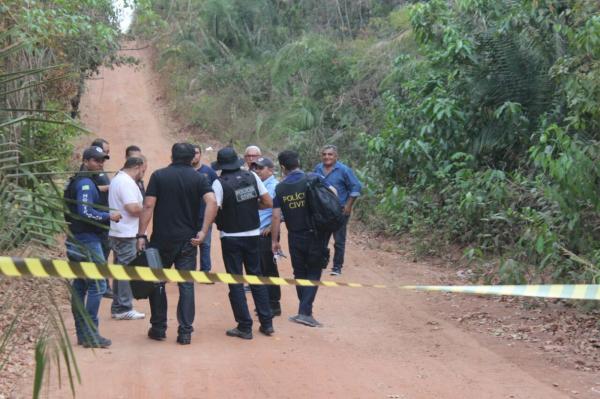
(41, 268)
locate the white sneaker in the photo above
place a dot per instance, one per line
(130, 315)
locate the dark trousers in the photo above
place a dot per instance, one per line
(238, 251)
(299, 243)
(183, 255)
(268, 268)
(339, 246)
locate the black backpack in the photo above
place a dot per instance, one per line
(323, 206)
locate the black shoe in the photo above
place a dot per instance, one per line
(235, 332)
(156, 335)
(276, 310)
(108, 293)
(268, 331)
(184, 338)
(95, 342)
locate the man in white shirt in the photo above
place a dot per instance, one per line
(240, 194)
(125, 196)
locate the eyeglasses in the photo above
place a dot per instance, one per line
(251, 156)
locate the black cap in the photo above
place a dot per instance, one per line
(94, 152)
(227, 159)
(264, 162)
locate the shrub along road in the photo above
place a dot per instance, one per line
(374, 343)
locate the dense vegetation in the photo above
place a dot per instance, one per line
(47, 50)
(474, 122)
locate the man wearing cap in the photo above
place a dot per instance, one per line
(211, 176)
(240, 194)
(86, 226)
(348, 189)
(264, 168)
(173, 200)
(125, 196)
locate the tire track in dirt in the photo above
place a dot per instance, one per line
(375, 343)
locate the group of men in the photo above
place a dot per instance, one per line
(182, 200)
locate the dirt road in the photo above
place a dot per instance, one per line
(374, 343)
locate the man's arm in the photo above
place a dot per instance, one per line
(275, 229)
(210, 212)
(134, 209)
(145, 217)
(265, 201)
(354, 187)
(87, 196)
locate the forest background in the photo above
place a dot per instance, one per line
(473, 123)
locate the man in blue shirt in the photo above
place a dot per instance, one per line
(264, 168)
(211, 176)
(87, 228)
(348, 189)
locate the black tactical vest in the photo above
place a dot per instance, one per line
(293, 205)
(77, 223)
(239, 211)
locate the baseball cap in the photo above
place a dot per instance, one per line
(94, 152)
(264, 162)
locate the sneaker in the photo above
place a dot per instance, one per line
(247, 289)
(108, 293)
(236, 332)
(156, 335)
(336, 271)
(129, 315)
(95, 342)
(184, 338)
(268, 331)
(306, 320)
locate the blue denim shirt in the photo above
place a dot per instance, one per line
(343, 179)
(266, 215)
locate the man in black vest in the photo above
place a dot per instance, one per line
(290, 200)
(240, 194)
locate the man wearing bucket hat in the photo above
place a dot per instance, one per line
(240, 194)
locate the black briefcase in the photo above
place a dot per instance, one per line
(151, 258)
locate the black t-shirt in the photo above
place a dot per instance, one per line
(178, 189)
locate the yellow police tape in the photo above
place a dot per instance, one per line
(19, 267)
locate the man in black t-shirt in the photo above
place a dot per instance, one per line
(173, 200)
(303, 240)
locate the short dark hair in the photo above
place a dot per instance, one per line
(132, 162)
(132, 148)
(99, 142)
(183, 153)
(289, 159)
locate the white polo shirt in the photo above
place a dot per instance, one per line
(123, 191)
(218, 189)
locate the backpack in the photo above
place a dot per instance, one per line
(324, 208)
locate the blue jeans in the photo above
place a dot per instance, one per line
(339, 245)
(205, 264)
(299, 243)
(238, 251)
(82, 288)
(183, 255)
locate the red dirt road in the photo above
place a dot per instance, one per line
(374, 344)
